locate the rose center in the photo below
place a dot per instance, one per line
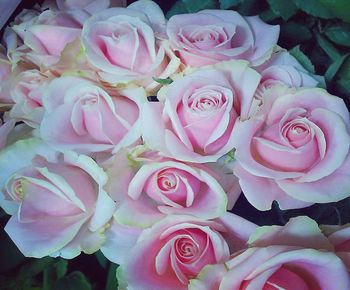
(297, 132)
(187, 249)
(89, 101)
(17, 190)
(206, 101)
(167, 181)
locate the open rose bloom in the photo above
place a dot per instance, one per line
(132, 135)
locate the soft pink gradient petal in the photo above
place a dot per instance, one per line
(262, 191)
(44, 236)
(238, 231)
(331, 188)
(53, 39)
(120, 239)
(300, 231)
(265, 44)
(244, 134)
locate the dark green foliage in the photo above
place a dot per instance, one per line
(285, 9)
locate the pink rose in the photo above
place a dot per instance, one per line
(91, 6)
(296, 256)
(175, 249)
(27, 92)
(5, 130)
(62, 207)
(20, 148)
(295, 150)
(80, 115)
(339, 237)
(121, 43)
(168, 188)
(283, 68)
(5, 80)
(211, 36)
(39, 46)
(148, 187)
(197, 119)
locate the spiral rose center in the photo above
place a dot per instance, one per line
(187, 249)
(89, 101)
(17, 190)
(297, 133)
(206, 101)
(172, 187)
(206, 37)
(167, 181)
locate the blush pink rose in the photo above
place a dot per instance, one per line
(175, 249)
(62, 207)
(339, 237)
(296, 256)
(80, 115)
(167, 188)
(283, 68)
(211, 36)
(295, 150)
(39, 46)
(123, 44)
(90, 6)
(196, 121)
(5, 80)
(5, 130)
(27, 91)
(147, 187)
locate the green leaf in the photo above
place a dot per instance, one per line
(197, 5)
(302, 58)
(102, 260)
(112, 282)
(122, 284)
(283, 8)
(328, 47)
(53, 273)
(35, 267)
(226, 4)
(334, 68)
(167, 81)
(49, 278)
(61, 267)
(339, 33)
(313, 7)
(230, 156)
(178, 8)
(345, 70)
(339, 8)
(74, 281)
(293, 33)
(343, 85)
(251, 7)
(268, 15)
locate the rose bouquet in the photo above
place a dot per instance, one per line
(134, 135)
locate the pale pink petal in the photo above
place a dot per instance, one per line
(120, 239)
(44, 236)
(301, 231)
(262, 191)
(331, 188)
(265, 37)
(337, 144)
